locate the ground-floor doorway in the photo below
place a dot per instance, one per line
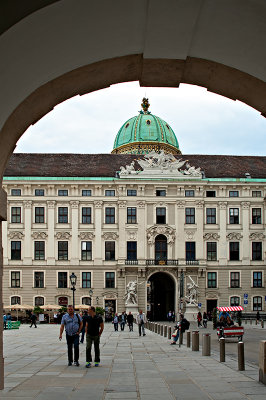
(160, 296)
(211, 304)
(110, 309)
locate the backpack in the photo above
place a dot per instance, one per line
(186, 324)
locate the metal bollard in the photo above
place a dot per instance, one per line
(188, 338)
(169, 332)
(246, 321)
(180, 337)
(165, 331)
(155, 328)
(241, 356)
(262, 323)
(195, 341)
(222, 350)
(250, 322)
(262, 362)
(162, 327)
(206, 344)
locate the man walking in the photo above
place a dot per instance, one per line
(33, 319)
(141, 319)
(122, 319)
(94, 329)
(73, 325)
(130, 321)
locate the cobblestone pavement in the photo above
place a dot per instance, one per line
(132, 367)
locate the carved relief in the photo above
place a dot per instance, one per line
(150, 271)
(98, 204)
(86, 235)
(62, 235)
(234, 236)
(180, 204)
(74, 204)
(51, 204)
(16, 235)
(211, 236)
(110, 236)
(256, 236)
(39, 235)
(132, 235)
(153, 231)
(27, 204)
(190, 234)
(199, 204)
(223, 205)
(245, 205)
(122, 204)
(109, 295)
(141, 204)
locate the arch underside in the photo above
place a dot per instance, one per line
(217, 78)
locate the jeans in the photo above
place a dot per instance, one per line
(96, 340)
(116, 326)
(141, 327)
(72, 340)
(130, 325)
(122, 325)
(82, 334)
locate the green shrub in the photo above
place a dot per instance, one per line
(100, 310)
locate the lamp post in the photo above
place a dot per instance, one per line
(73, 281)
(97, 300)
(91, 293)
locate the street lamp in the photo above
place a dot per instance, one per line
(97, 300)
(91, 293)
(73, 281)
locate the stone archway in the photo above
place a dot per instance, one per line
(161, 296)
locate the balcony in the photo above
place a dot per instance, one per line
(192, 262)
(161, 262)
(131, 262)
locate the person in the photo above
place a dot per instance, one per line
(122, 320)
(205, 319)
(94, 329)
(130, 321)
(33, 319)
(182, 325)
(173, 316)
(258, 316)
(115, 322)
(72, 324)
(141, 319)
(55, 318)
(169, 316)
(5, 320)
(199, 319)
(84, 320)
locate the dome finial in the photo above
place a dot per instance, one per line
(145, 106)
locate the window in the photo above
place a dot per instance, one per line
(212, 279)
(86, 301)
(62, 192)
(233, 193)
(211, 216)
(15, 279)
(86, 192)
(131, 250)
(256, 216)
(62, 215)
(86, 215)
(256, 193)
(160, 192)
(257, 303)
(62, 280)
(39, 250)
(39, 192)
(39, 215)
(39, 301)
(211, 251)
(132, 192)
(256, 251)
(110, 215)
(63, 250)
(109, 279)
(190, 215)
(109, 251)
(190, 251)
(131, 215)
(15, 300)
(16, 250)
(86, 280)
(210, 193)
(257, 279)
(234, 279)
(233, 215)
(160, 249)
(161, 215)
(234, 301)
(86, 251)
(15, 192)
(189, 193)
(38, 279)
(234, 251)
(110, 193)
(15, 215)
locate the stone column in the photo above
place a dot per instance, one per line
(245, 229)
(27, 259)
(50, 256)
(121, 220)
(223, 219)
(142, 227)
(98, 231)
(3, 217)
(75, 248)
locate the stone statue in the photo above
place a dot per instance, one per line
(192, 297)
(131, 292)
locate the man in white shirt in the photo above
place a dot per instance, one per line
(141, 320)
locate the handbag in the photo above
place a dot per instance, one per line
(175, 333)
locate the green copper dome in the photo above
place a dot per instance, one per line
(144, 133)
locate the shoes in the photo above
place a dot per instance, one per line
(69, 364)
(173, 343)
(96, 364)
(144, 334)
(88, 365)
(76, 363)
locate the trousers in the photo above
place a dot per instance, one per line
(96, 340)
(72, 341)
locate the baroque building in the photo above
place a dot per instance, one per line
(144, 213)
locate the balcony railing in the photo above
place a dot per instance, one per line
(131, 262)
(192, 262)
(161, 262)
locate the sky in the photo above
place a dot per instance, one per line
(204, 122)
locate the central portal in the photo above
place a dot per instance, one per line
(161, 296)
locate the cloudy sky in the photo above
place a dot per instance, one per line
(204, 123)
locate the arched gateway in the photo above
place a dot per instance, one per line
(160, 296)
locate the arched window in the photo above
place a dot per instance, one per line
(86, 301)
(62, 301)
(234, 301)
(39, 301)
(160, 249)
(15, 300)
(257, 303)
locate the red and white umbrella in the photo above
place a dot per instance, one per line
(234, 308)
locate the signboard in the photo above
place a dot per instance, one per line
(199, 305)
(245, 301)
(245, 295)
(41, 317)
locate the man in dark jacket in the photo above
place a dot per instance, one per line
(130, 319)
(33, 319)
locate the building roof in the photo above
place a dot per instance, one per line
(106, 165)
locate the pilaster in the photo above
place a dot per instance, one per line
(122, 219)
(50, 256)
(74, 232)
(222, 248)
(180, 234)
(199, 231)
(142, 226)
(98, 205)
(27, 247)
(246, 249)
(3, 217)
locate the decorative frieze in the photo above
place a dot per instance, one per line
(190, 235)
(27, 204)
(51, 204)
(122, 204)
(110, 294)
(110, 236)
(86, 236)
(171, 270)
(234, 236)
(256, 236)
(98, 204)
(211, 236)
(141, 204)
(62, 235)
(245, 205)
(16, 235)
(180, 204)
(155, 230)
(132, 235)
(222, 205)
(199, 204)
(39, 235)
(74, 204)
